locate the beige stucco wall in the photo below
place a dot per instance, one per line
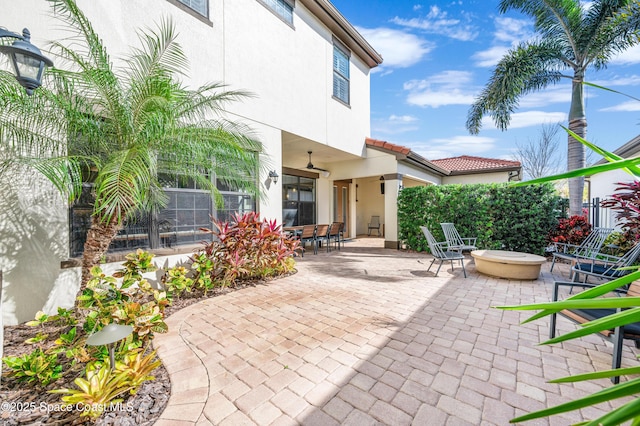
(498, 177)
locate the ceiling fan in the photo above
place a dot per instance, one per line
(311, 166)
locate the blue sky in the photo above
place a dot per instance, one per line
(439, 55)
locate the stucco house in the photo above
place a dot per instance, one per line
(309, 70)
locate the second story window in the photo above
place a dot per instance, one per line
(200, 6)
(340, 73)
(282, 8)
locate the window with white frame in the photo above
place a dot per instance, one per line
(282, 8)
(340, 73)
(200, 6)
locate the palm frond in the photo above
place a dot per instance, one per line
(122, 186)
(525, 69)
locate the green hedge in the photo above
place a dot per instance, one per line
(501, 217)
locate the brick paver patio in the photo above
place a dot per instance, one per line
(367, 336)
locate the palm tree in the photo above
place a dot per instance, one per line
(572, 37)
(119, 129)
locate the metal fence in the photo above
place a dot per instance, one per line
(600, 216)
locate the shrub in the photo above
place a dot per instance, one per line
(573, 231)
(500, 216)
(247, 248)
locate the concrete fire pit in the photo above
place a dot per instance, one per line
(508, 264)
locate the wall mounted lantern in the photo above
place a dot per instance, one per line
(382, 185)
(273, 175)
(27, 60)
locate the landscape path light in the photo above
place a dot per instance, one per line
(110, 334)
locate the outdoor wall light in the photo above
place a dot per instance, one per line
(27, 60)
(110, 334)
(382, 185)
(273, 175)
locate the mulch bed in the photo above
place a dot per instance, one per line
(22, 404)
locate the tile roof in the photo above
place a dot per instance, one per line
(455, 165)
(468, 163)
(388, 146)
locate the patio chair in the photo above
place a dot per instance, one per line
(308, 235)
(580, 316)
(454, 241)
(440, 252)
(374, 224)
(589, 248)
(322, 234)
(335, 233)
(605, 266)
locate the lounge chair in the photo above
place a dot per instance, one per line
(440, 252)
(589, 249)
(454, 241)
(374, 224)
(616, 335)
(604, 266)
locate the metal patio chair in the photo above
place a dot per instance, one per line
(440, 252)
(454, 241)
(335, 233)
(605, 266)
(308, 235)
(590, 247)
(322, 234)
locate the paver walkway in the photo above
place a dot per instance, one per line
(366, 336)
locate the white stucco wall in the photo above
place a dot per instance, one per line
(246, 47)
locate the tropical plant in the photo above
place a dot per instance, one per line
(572, 36)
(126, 127)
(625, 202)
(98, 391)
(36, 367)
(572, 230)
(248, 248)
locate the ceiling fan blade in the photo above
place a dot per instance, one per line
(312, 167)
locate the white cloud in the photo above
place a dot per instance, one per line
(402, 118)
(437, 22)
(398, 48)
(512, 31)
(438, 148)
(623, 107)
(528, 119)
(490, 57)
(632, 80)
(628, 57)
(395, 124)
(508, 34)
(417, 7)
(560, 93)
(445, 88)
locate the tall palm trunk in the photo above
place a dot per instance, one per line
(99, 238)
(575, 150)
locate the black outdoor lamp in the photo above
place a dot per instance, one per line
(27, 60)
(273, 175)
(382, 185)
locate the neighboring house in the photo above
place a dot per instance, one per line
(469, 169)
(602, 185)
(309, 70)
